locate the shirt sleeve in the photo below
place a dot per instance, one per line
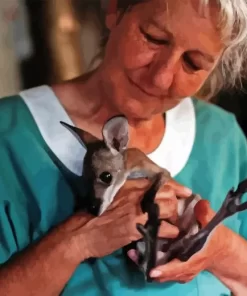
(241, 158)
(14, 228)
(8, 244)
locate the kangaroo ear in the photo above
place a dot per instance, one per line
(82, 136)
(116, 134)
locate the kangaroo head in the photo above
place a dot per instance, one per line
(103, 166)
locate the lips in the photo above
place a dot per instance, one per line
(143, 90)
(140, 88)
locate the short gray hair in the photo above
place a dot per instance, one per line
(230, 69)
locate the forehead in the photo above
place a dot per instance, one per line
(104, 160)
(191, 23)
(184, 9)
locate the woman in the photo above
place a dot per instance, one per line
(159, 54)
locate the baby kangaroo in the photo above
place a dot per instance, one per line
(107, 165)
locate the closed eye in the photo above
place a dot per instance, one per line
(152, 39)
(190, 63)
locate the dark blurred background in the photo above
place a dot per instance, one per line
(44, 41)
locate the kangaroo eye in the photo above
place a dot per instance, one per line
(105, 177)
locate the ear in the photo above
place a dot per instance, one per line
(116, 134)
(111, 13)
(82, 136)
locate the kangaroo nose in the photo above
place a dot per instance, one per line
(94, 206)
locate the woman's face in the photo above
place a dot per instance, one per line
(159, 53)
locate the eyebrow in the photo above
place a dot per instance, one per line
(163, 28)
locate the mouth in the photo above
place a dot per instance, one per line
(141, 89)
(161, 98)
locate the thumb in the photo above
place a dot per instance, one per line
(203, 212)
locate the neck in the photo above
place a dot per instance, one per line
(85, 103)
(89, 108)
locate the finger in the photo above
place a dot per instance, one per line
(170, 269)
(166, 192)
(176, 269)
(187, 279)
(167, 201)
(180, 190)
(168, 230)
(183, 280)
(167, 208)
(131, 190)
(203, 212)
(135, 184)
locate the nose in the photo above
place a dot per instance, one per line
(163, 70)
(94, 206)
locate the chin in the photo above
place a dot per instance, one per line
(138, 112)
(134, 117)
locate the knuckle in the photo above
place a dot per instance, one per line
(168, 198)
(167, 209)
(167, 187)
(166, 190)
(168, 204)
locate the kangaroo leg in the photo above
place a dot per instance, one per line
(188, 246)
(147, 250)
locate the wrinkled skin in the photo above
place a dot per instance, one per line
(158, 70)
(118, 223)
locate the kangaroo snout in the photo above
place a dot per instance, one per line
(94, 206)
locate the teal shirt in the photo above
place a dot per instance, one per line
(36, 192)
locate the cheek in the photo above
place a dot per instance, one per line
(185, 85)
(138, 56)
(133, 50)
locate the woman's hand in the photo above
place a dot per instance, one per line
(224, 255)
(100, 236)
(215, 250)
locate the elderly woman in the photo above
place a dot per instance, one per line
(160, 55)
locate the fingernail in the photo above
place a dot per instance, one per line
(187, 191)
(155, 273)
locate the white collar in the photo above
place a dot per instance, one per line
(172, 154)
(176, 146)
